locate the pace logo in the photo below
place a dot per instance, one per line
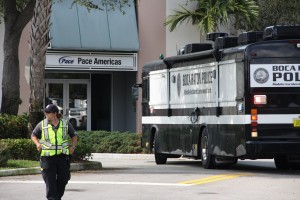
(178, 84)
(66, 60)
(261, 75)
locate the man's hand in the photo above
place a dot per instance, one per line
(39, 147)
(71, 149)
(36, 142)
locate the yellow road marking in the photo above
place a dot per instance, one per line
(215, 178)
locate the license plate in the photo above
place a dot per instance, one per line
(296, 122)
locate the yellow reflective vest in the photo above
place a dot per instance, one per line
(54, 143)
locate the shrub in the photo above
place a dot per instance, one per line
(111, 142)
(23, 149)
(83, 151)
(12, 126)
(4, 154)
(89, 142)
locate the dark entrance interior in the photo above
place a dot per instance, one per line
(101, 102)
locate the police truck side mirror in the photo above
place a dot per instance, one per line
(135, 91)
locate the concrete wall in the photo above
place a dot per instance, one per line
(24, 52)
(184, 34)
(152, 37)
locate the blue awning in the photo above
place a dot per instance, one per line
(75, 28)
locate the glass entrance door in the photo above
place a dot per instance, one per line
(54, 94)
(77, 98)
(71, 97)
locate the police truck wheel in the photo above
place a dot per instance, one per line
(159, 157)
(295, 166)
(207, 159)
(281, 162)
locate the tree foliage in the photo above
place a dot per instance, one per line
(209, 14)
(111, 4)
(272, 12)
(20, 5)
(89, 4)
(245, 15)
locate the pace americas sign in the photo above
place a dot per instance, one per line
(91, 62)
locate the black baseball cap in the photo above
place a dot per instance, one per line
(51, 108)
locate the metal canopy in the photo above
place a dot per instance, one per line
(75, 28)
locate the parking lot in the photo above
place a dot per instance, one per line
(130, 177)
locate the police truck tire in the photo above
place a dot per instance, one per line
(160, 158)
(295, 166)
(281, 162)
(207, 159)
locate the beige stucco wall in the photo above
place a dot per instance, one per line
(24, 52)
(152, 33)
(152, 38)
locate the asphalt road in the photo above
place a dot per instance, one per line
(136, 177)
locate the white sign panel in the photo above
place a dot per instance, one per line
(91, 62)
(194, 84)
(228, 82)
(275, 75)
(159, 89)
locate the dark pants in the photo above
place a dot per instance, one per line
(56, 174)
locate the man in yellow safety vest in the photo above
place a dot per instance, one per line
(51, 139)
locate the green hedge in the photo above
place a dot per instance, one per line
(82, 152)
(112, 142)
(12, 126)
(22, 149)
(25, 149)
(88, 142)
(4, 154)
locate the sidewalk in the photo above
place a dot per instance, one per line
(97, 156)
(93, 165)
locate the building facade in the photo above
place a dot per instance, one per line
(95, 57)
